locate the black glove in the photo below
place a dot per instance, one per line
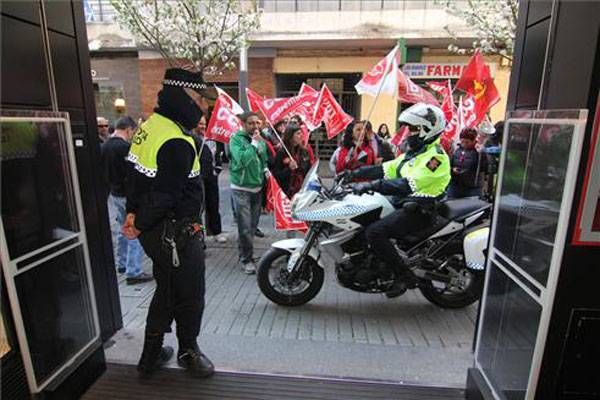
(361, 187)
(345, 175)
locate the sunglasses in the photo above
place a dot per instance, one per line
(102, 126)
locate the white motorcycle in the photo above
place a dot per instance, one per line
(448, 257)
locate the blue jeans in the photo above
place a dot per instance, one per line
(246, 209)
(128, 253)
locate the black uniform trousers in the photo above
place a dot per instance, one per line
(211, 203)
(179, 291)
(398, 224)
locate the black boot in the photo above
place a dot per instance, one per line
(197, 364)
(154, 355)
(401, 284)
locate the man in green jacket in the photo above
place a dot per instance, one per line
(247, 173)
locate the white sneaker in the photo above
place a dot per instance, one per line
(249, 268)
(221, 238)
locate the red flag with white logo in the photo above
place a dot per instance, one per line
(223, 122)
(307, 109)
(444, 89)
(477, 81)
(229, 101)
(382, 77)
(282, 207)
(329, 111)
(410, 92)
(275, 109)
(439, 87)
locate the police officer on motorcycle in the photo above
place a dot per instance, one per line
(416, 180)
(164, 203)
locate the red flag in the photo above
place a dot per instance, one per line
(223, 122)
(450, 113)
(410, 92)
(282, 207)
(278, 108)
(229, 101)
(438, 86)
(254, 100)
(477, 81)
(468, 116)
(329, 111)
(307, 109)
(381, 78)
(399, 137)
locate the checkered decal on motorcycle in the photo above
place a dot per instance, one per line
(330, 213)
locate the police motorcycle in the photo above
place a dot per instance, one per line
(448, 257)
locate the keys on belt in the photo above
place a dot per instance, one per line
(174, 256)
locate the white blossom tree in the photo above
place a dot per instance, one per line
(204, 35)
(494, 23)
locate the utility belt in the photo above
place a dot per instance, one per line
(177, 233)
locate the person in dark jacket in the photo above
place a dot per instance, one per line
(382, 149)
(468, 167)
(210, 168)
(128, 253)
(383, 132)
(290, 172)
(164, 203)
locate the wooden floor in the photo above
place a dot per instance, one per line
(120, 382)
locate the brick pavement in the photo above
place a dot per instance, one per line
(235, 306)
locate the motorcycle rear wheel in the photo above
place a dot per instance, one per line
(270, 269)
(448, 299)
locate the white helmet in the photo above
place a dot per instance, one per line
(430, 119)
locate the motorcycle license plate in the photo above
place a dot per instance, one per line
(292, 261)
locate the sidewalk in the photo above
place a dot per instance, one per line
(340, 333)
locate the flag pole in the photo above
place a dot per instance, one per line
(278, 137)
(362, 133)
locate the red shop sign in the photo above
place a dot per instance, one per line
(587, 228)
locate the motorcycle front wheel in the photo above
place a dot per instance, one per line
(277, 285)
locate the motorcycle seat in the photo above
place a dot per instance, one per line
(461, 209)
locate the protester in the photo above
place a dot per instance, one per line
(383, 132)
(290, 172)
(353, 153)
(468, 167)
(248, 156)
(382, 149)
(164, 206)
(210, 167)
(297, 119)
(102, 124)
(128, 254)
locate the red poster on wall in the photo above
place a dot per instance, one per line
(587, 229)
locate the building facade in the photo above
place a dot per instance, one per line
(310, 41)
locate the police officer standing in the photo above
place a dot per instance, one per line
(416, 180)
(164, 202)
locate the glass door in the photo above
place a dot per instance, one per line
(540, 155)
(44, 251)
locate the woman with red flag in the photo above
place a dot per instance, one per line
(354, 152)
(290, 172)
